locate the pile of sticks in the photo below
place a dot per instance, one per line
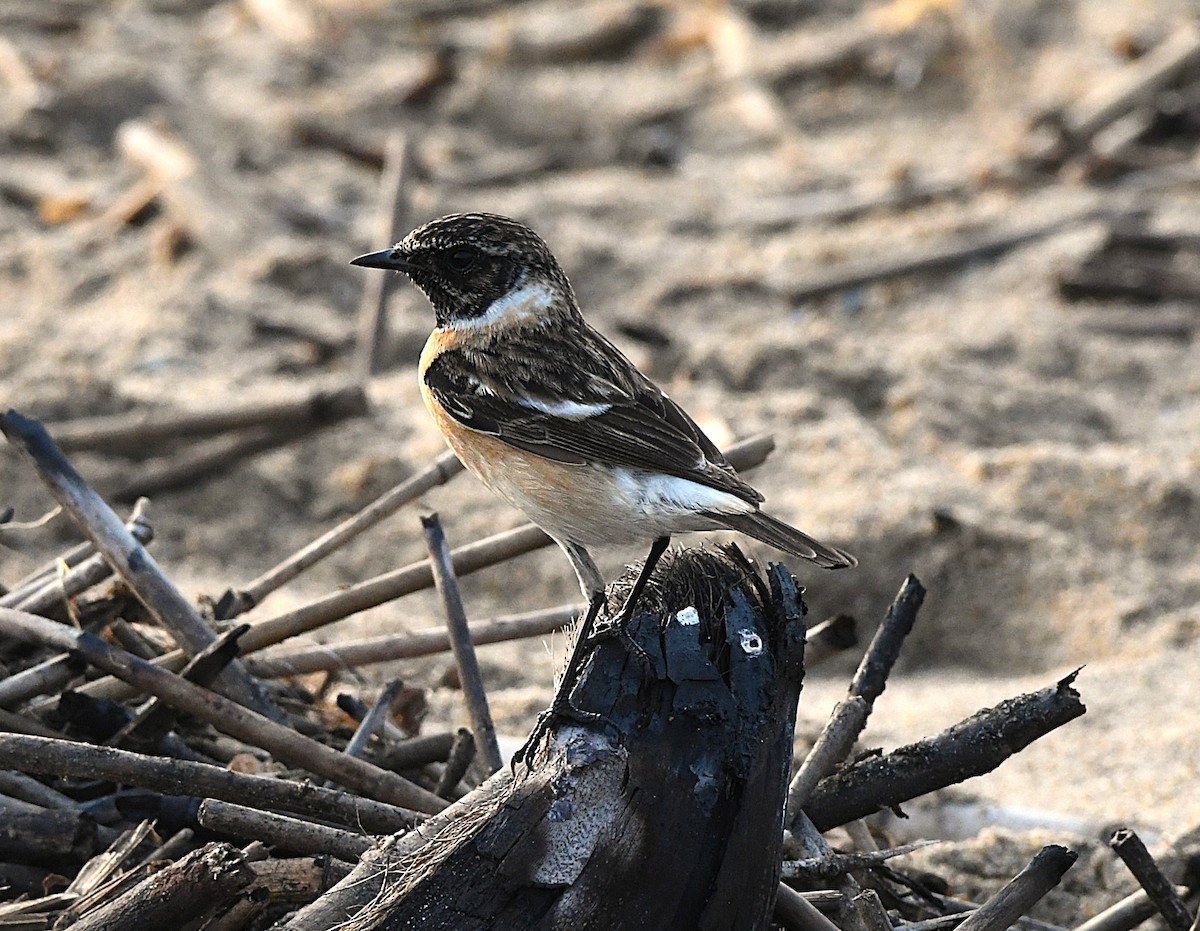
(156, 763)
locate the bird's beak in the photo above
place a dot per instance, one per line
(392, 259)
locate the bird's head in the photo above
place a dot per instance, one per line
(479, 269)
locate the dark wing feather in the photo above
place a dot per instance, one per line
(492, 391)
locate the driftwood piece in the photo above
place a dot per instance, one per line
(207, 879)
(469, 674)
(1020, 894)
(225, 715)
(664, 810)
(295, 835)
(972, 747)
(1133, 853)
(128, 557)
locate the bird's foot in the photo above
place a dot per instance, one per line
(618, 629)
(560, 709)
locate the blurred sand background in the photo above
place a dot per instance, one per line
(1039, 474)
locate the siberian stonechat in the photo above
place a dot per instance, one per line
(553, 418)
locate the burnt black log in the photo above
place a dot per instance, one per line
(661, 805)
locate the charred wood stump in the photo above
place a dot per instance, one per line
(660, 804)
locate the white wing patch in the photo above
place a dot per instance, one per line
(571, 410)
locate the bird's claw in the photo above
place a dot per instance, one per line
(560, 709)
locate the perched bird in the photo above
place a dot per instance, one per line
(552, 417)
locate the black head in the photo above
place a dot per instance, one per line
(466, 262)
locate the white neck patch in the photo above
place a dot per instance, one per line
(525, 302)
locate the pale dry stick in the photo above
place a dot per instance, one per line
(469, 675)
(861, 914)
(356, 653)
(850, 715)
(226, 716)
(35, 579)
(48, 676)
(292, 834)
(124, 432)
(359, 710)
(127, 556)
(52, 674)
(172, 848)
(1133, 853)
(51, 579)
(1135, 85)
(418, 751)
(796, 913)
(374, 719)
(91, 571)
(395, 190)
(1125, 915)
(831, 747)
(400, 582)
(98, 870)
(7, 524)
(828, 638)
(440, 471)
(1023, 891)
(20, 724)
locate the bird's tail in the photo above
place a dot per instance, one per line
(783, 537)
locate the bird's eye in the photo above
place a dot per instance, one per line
(462, 260)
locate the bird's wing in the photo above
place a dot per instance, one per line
(588, 407)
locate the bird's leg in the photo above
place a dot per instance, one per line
(657, 548)
(561, 707)
(592, 583)
(586, 639)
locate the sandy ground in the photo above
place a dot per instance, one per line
(1041, 478)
